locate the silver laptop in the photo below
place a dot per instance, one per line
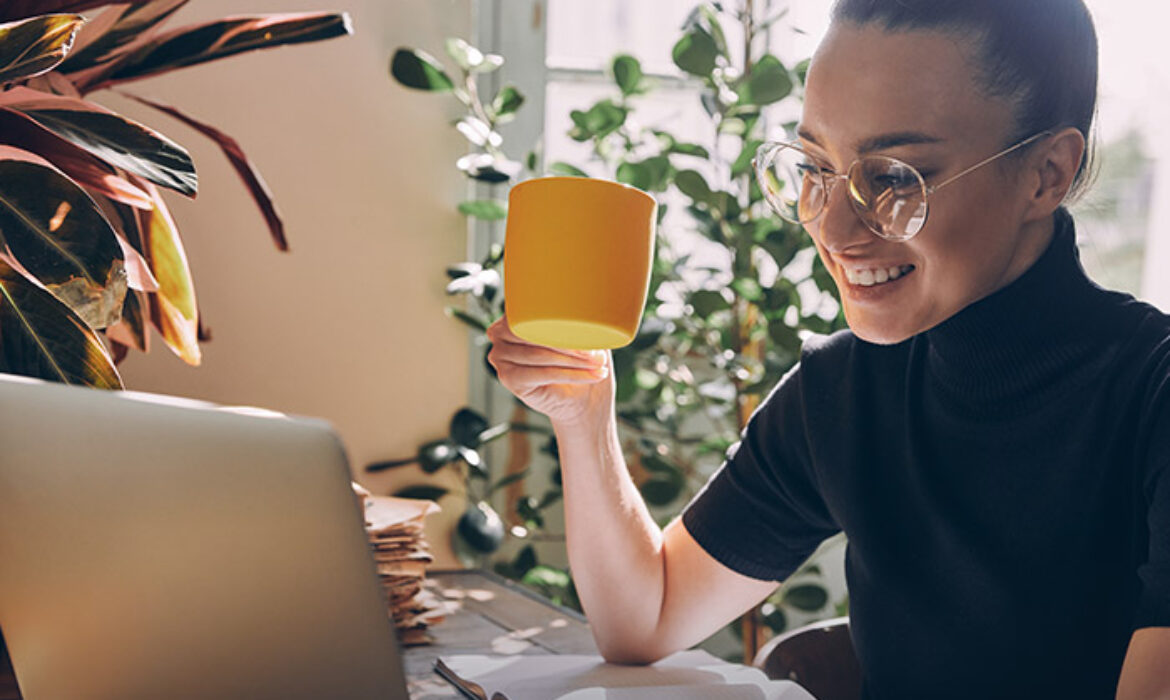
(154, 547)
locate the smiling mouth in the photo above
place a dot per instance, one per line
(876, 276)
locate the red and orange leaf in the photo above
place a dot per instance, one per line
(195, 44)
(20, 130)
(18, 9)
(244, 167)
(173, 308)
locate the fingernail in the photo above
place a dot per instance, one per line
(602, 371)
(597, 354)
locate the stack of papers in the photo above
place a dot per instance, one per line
(401, 553)
(684, 675)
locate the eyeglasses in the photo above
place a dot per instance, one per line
(889, 196)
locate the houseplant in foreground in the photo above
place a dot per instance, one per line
(88, 248)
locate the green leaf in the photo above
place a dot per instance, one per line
(689, 149)
(36, 45)
(707, 302)
(474, 321)
(201, 43)
(602, 119)
(463, 53)
(801, 70)
(119, 141)
(747, 288)
(435, 455)
(546, 576)
(566, 170)
(422, 492)
(693, 185)
(695, 53)
(506, 102)
(486, 209)
(627, 73)
(56, 232)
(743, 163)
(466, 426)
(651, 175)
(507, 480)
(419, 70)
(806, 597)
(769, 82)
(41, 337)
(660, 490)
(481, 528)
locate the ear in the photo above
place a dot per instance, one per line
(1054, 167)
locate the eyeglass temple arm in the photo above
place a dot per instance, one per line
(985, 161)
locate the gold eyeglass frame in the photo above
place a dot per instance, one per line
(766, 153)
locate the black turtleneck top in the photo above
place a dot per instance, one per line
(1003, 480)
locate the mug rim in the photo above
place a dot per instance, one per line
(594, 181)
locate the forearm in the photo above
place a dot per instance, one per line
(615, 547)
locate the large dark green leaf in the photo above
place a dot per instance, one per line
(41, 337)
(768, 83)
(56, 232)
(128, 24)
(695, 53)
(239, 161)
(192, 45)
(466, 426)
(419, 70)
(119, 141)
(627, 73)
(17, 9)
(807, 597)
(34, 46)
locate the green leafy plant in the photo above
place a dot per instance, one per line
(90, 257)
(710, 345)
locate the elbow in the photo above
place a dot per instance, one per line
(628, 652)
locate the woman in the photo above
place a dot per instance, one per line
(992, 432)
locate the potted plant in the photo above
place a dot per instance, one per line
(90, 256)
(706, 353)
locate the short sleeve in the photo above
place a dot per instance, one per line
(1153, 608)
(761, 513)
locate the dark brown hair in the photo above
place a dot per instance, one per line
(1040, 54)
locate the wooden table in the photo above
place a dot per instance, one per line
(492, 616)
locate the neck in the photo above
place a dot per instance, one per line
(1000, 350)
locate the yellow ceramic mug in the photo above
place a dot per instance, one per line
(577, 259)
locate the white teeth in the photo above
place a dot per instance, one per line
(869, 278)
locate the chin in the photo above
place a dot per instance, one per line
(874, 331)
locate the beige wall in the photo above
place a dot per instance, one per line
(349, 324)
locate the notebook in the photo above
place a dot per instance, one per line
(685, 675)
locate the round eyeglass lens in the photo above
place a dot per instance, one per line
(889, 196)
(792, 182)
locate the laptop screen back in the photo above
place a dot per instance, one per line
(153, 547)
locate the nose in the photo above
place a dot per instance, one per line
(838, 228)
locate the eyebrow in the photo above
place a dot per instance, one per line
(881, 141)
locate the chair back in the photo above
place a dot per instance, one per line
(818, 656)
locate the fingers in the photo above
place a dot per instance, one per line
(501, 333)
(523, 376)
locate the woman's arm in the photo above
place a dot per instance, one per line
(647, 592)
(1146, 672)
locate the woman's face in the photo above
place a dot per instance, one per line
(913, 95)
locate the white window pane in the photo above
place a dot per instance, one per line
(587, 34)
